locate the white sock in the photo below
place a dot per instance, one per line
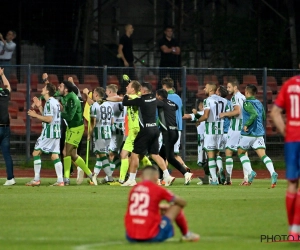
(97, 170)
(229, 165)
(245, 174)
(132, 176)
(107, 171)
(58, 169)
(219, 163)
(166, 173)
(269, 164)
(37, 163)
(212, 169)
(246, 164)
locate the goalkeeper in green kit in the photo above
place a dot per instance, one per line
(72, 115)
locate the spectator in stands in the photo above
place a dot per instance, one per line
(7, 48)
(125, 52)
(169, 51)
(5, 129)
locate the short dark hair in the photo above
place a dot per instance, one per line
(163, 93)
(200, 100)
(223, 91)
(147, 85)
(168, 81)
(251, 89)
(100, 91)
(233, 81)
(51, 89)
(168, 27)
(69, 86)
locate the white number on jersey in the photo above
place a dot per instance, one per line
(294, 106)
(139, 205)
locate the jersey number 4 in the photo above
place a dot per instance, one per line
(139, 205)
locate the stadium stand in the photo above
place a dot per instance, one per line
(249, 79)
(13, 109)
(13, 81)
(113, 79)
(192, 83)
(17, 127)
(19, 98)
(153, 79)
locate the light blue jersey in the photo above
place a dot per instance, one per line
(227, 120)
(253, 117)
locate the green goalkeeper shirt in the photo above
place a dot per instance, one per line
(72, 111)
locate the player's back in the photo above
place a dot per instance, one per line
(214, 124)
(106, 114)
(257, 127)
(143, 215)
(289, 100)
(118, 110)
(177, 100)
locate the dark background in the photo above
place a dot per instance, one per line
(228, 33)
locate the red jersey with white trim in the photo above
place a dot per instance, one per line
(143, 216)
(289, 100)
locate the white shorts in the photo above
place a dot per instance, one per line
(116, 141)
(223, 142)
(177, 144)
(233, 138)
(160, 141)
(100, 146)
(254, 142)
(48, 145)
(212, 142)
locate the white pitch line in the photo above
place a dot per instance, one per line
(100, 244)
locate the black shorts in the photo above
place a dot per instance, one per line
(146, 141)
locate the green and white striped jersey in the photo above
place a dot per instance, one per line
(118, 110)
(214, 125)
(52, 129)
(104, 115)
(236, 123)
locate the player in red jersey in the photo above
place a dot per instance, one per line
(147, 220)
(288, 99)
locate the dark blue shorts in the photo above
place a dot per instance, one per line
(292, 160)
(165, 232)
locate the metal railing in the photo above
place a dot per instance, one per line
(189, 84)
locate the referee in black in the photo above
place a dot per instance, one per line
(168, 126)
(147, 138)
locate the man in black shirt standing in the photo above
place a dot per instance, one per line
(147, 138)
(169, 52)
(125, 52)
(168, 126)
(5, 129)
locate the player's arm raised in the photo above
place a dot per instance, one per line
(42, 118)
(133, 102)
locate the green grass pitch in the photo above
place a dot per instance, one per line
(91, 217)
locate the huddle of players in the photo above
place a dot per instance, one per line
(106, 129)
(230, 126)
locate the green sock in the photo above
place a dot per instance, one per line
(124, 168)
(145, 162)
(67, 166)
(80, 162)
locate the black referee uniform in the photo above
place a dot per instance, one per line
(168, 126)
(147, 138)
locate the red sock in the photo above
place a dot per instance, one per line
(290, 199)
(182, 223)
(296, 219)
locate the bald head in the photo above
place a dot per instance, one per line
(150, 173)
